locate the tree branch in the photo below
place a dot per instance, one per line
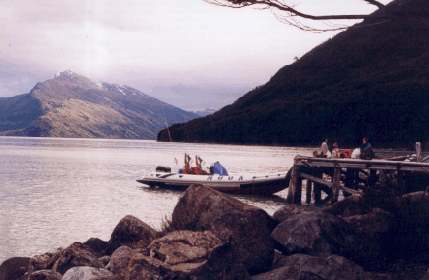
(292, 16)
(278, 4)
(375, 3)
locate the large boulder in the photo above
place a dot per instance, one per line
(376, 227)
(289, 210)
(119, 260)
(98, 246)
(377, 197)
(88, 273)
(104, 260)
(76, 254)
(187, 255)
(278, 260)
(350, 206)
(304, 267)
(246, 228)
(412, 233)
(45, 261)
(319, 234)
(131, 232)
(45, 275)
(374, 223)
(14, 268)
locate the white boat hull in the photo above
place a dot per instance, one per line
(260, 185)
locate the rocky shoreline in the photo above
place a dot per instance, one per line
(214, 236)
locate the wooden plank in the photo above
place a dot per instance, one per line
(398, 158)
(362, 164)
(425, 159)
(351, 191)
(316, 179)
(337, 161)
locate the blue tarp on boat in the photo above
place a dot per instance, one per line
(219, 169)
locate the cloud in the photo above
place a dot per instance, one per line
(18, 79)
(153, 45)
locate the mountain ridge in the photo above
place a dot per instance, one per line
(71, 105)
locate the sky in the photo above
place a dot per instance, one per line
(189, 53)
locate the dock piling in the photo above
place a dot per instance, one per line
(308, 190)
(295, 186)
(418, 151)
(336, 184)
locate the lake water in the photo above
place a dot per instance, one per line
(57, 191)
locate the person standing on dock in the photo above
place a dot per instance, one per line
(366, 151)
(336, 153)
(324, 149)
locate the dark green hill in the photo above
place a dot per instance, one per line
(372, 79)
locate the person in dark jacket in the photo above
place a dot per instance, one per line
(366, 151)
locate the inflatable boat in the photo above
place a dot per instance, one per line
(236, 184)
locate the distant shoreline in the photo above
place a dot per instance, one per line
(399, 148)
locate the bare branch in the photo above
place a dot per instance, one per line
(288, 9)
(294, 17)
(293, 21)
(375, 3)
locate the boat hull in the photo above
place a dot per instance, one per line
(266, 185)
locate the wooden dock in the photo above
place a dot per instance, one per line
(332, 175)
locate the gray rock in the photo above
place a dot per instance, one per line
(376, 227)
(76, 254)
(412, 234)
(187, 255)
(381, 197)
(14, 268)
(278, 260)
(104, 260)
(119, 260)
(319, 234)
(350, 206)
(374, 223)
(246, 228)
(87, 273)
(45, 261)
(304, 267)
(289, 210)
(98, 246)
(131, 232)
(45, 275)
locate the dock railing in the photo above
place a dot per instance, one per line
(326, 174)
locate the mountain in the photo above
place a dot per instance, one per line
(204, 112)
(71, 105)
(372, 79)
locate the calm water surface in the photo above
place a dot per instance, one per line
(57, 191)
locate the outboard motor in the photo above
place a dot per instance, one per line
(163, 169)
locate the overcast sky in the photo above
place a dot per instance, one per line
(186, 52)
